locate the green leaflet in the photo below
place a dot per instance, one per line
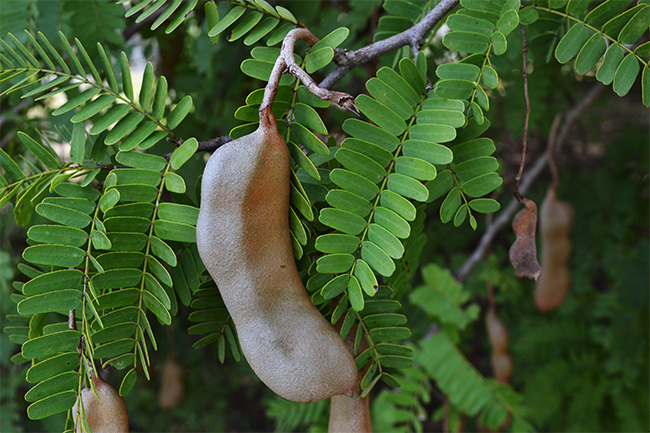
(571, 43)
(53, 366)
(52, 404)
(51, 344)
(39, 150)
(337, 243)
(57, 234)
(625, 75)
(172, 231)
(334, 263)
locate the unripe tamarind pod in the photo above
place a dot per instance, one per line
(244, 241)
(172, 384)
(349, 414)
(556, 219)
(105, 413)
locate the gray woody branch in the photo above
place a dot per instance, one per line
(347, 60)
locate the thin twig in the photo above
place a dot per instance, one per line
(287, 63)
(506, 214)
(524, 52)
(213, 144)
(348, 60)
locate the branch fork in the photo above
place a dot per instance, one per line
(287, 64)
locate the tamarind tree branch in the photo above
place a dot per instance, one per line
(348, 60)
(506, 214)
(287, 63)
(213, 144)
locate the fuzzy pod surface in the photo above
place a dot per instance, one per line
(243, 238)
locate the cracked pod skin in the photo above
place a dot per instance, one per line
(244, 241)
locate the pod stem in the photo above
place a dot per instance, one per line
(524, 146)
(287, 63)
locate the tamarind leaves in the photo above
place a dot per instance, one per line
(131, 125)
(443, 298)
(253, 19)
(171, 9)
(401, 409)
(610, 23)
(111, 238)
(468, 390)
(386, 162)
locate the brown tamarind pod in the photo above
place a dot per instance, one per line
(498, 336)
(172, 384)
(501, 366)
(523, 252)
(244, 241)
(105, 412)
(556, 219)
(497, 331)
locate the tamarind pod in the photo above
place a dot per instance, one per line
(172, 385)
(105, 413)
(523, 252)
(497, 332)
(349, 414)
(556, 219)
(244, 241)
(501, 366)
(552, 289)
